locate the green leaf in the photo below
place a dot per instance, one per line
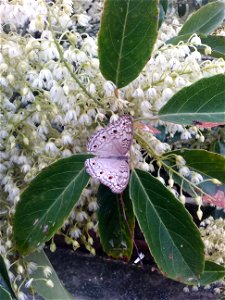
(212, 273)
(201, 101)
(39, 283)
(217, 44)
(209, 164)
(5, 276)
(217, 213)
(114, 233)
(164, 4)
(219, 147)
(48, 201)
(4, 294)
(205, 20)
(173, 238)
(176, 39)
(161, 15)
(126, 38)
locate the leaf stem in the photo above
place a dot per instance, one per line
(192, 185)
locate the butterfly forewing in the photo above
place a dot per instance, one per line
(115, 139)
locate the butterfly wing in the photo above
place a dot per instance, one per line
(114, 140)
(113, 173)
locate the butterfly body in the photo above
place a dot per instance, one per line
(111, 146)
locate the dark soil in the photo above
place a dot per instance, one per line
(97, 278)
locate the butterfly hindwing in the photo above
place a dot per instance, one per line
(112, 172)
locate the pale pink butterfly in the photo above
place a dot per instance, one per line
(111, 145)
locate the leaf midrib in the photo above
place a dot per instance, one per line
(121, 45)
(161, 221)
(192, 113)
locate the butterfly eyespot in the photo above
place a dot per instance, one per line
(101, 172)
(93, 163)
(110, 177)
(104, 137)
(114, 131)
(94, 146)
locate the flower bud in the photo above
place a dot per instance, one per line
(90, 240)
(202, 139)
(3, 68)
(52, 247)
(208, 50)
(50, 283)
(199, 214)
(171, 182)
(182, 199)
(20, 269)
(75, 245)
(216, 181)
(196, 40)
(161, 179)
(10, 78)
(198, 200)
(8, 244)
(26, 141)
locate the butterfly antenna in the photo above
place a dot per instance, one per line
(140, 255)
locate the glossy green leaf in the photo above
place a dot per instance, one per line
(173, 238)
(58, 292)
(161, 15)
(164, 4)
(212, 273)
(126, 38)
(176, 39)
(205, 20)
(219, 147)
(201, 101)
(217, 213)
(217, 44)
(4, 275)
(48, 201)
(209, 164)
(115, 236)
(4, 294)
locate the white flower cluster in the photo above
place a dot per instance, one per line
(31, 16)
(213, 234)
(53, 95)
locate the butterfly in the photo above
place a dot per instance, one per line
(111, 146)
